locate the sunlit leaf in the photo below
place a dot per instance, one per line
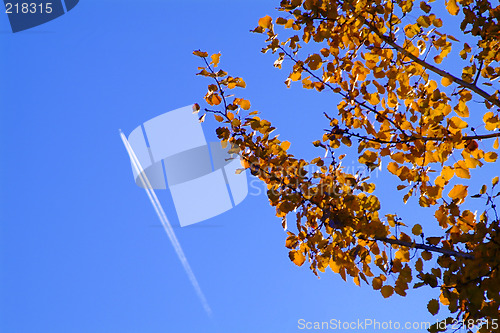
(265, 22)
(200, 53)
(215, 59)
(458, 191)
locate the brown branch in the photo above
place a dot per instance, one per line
(436, 70)
(218, 83)
(360, 103)
(424, 247)
(478, 72)
(423, 63)
(425, 139)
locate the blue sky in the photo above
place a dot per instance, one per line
(81, 247)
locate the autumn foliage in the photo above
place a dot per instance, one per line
(397, 105)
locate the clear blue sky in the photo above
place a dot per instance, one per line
(81, 247)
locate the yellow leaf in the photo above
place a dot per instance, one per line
(463, 173)
(445, 81)
(291, 242)
(458, 192)
(447, 173)
(490, 157)
(265, 22)
(368, 188)
(219, 118)
(295, 76)
(458, 123)
(438, 23)
(461, 109)
(442, 217)
(214, 99)
(215, 59)
(417, 230)
(391, 220)
(374, 99)
(392, 167)
(334, 266)
(200, 53)
(241, 83)
(244, 104)
(495, 144)
(297, 257)
(398, 157)
(403, 255)
(487, 116)
(452, 7)
(483, 189)
(356, 280)
(387, 291)
(494, 181)
(285, 145)
(368, 157)
(444, 300)
(433, 306)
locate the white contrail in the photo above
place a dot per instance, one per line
(164, 221)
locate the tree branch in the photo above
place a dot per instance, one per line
(436, 70)
(424, 247)
(360, 103)
(414, 138)
(391, 42)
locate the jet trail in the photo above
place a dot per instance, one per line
(166, 224)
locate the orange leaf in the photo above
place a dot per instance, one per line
(446, 81)
(458, 192)
(297, 257)
(444, 300)
(265, 22)
(244, 104)
(200, 53)
(490, 157)
(392, 167)
(214, 99)
(334, 266)
(215, 59)
(452, 7)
